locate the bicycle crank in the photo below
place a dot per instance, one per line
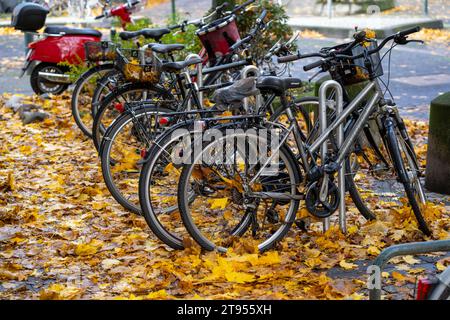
(317, 207)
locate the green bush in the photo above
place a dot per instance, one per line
(276, 30)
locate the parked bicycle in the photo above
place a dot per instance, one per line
(262, 208)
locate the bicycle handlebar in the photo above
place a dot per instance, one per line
(399, 38)
(252, 33)
(313, 65)
(288, 58)
(408, 31)
(242, 6)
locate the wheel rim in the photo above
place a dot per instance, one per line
(47, 86)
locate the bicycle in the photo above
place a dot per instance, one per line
(321, 195)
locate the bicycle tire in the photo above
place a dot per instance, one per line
(79, 85)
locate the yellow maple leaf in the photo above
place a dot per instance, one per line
(239, 277)
(440, 266)
(109, 263)
(85, 249)
(161, 294)
(219, 203)
(26, 150)
(372, 250)
(410, 260)
(347, 265)
(398, 276)
(99, 205)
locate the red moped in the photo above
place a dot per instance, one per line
(58, 44)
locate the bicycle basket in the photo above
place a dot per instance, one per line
(352, 72)
(129, 62)
(218, 36)
(97, 51)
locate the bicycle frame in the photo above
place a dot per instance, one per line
(374, 101)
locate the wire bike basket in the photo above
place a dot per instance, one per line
(136, 68)
(354, 71)
(97, 51)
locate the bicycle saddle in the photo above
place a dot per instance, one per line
(179, 65)
(277, 85)
(165, 48)
(73, 31)
(147, 33)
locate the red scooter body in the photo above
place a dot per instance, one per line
(65, 45)
(66, 48)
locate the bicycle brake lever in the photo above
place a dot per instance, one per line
(418, 41)
(315, 75)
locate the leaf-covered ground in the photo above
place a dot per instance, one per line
(62, 236)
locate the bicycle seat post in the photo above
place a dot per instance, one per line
(199, 78)
(245, 73)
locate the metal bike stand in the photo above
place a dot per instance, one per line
(199, 68)
(245, 74)
(324, 103)
(402, 250)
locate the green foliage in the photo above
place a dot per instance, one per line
(276, 30)
(74, 70)
(188, 38)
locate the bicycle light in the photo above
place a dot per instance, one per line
(119, 107)
(163, 121)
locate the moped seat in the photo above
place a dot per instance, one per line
(277, 85)
(179, 65)
(73, 31)
(156, 33)
(166, 48)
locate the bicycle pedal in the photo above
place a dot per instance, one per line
(331, 167)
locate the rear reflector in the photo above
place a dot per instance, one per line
(119, 107)
(424, 287)
(163, 121)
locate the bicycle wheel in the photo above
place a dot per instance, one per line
(123, 152)
(303, 110)
(227, 206)
(406, 168)
(158, 185)
(107, 84)
(83, 94)
(115, 103)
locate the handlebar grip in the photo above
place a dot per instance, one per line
(262, 16)
(176, 26)
(289, 58)
(223, 5)
(359, 36)
(313, 65)
(99, 17)
(240, 43)
(409, 31)
(245, 4)
(135, 3)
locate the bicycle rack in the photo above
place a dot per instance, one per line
(245, 74)
(199, 68)
(402, 250)
(324, 103)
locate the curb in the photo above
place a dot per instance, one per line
(344, 27)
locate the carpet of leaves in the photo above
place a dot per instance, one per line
(62, 236)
